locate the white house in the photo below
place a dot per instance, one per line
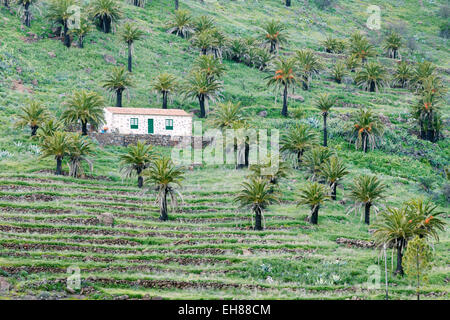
(174, 122)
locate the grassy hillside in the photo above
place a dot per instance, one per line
(207, 248)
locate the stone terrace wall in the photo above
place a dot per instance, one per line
(118, 139)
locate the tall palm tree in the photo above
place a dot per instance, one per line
(165, 84)
(137, 158)
(256, 194)
(367, 129)
(339, 71)
(426, 112)
(315, 158)
(274, 34)
(220, 43)
(228, 115)
(333, 170)
(371, 77)
(200, 86)
(428, 221)
(403, 74)
(164, 176)
(49, 127)
(394, 227)
(85, 107)
(84, 28)
(56, 146)
(25, 4)
(80, 148)
(308, 66)
(181, 25)
(59, 12)
(129, 34)
(324, 103)
(297, 140)
(314, 195)
(33, 114)
(138, 3)
(366, 190)
(392, 44)
(209, 65)
(105, 13)
(284, 77)
(422, 71)
(118, 81)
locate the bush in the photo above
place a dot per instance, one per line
(444, 11)
(323, 4)
(445, 30)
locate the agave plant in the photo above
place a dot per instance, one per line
(403, 75)
(365, 191)
(181, 24)
(372, 77)
(333, 171)
(297, 140)
(283, 77)
(314, 195)
(165, 84)
(274, 35)
(137, 158)
(256, 194)
(130, 34)
(367, 129)
(392, 45)
(118, 81)
(338, 72)
(105, 13)
(32, 114)
(308, 66)
(80, 148)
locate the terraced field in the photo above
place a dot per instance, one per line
(207, 249)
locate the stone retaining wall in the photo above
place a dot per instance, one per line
(118, 139)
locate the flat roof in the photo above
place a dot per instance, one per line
(149, 111)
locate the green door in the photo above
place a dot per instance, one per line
(150, 125)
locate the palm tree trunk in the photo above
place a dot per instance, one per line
(119, 98)
(315, 214)
(106, 24)
(6, 3)
(288, 3)
(399, 269)
(176, 4)
(140, 178)
(372, 87)
(27, 14)
(367, 206)
(201, 100)
(58, 166)
(130, 58)
(33, 130)
(81, 42)
(333, 190)
(284, 111)
(66, 35)
(84, 128)
(163, 210)
(164, 100)
(365, 138)
(299, 156)
(273, 46)
(258, 219)
(305, 83)
(325, 114)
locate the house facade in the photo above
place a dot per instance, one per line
(174, 122)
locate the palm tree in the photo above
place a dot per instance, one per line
(274, 35)
(352, 62)
(265, 170)
(25, 4)
(118, 81)
(105, 13)
(394, 227)
(57, 146)
(333, 170)
(166, 85)
(49, 127)
(228, 115)
(34, 115)
(209, 65)
(200, 86)
(422, 71)
(361, 47)
(137, 159)
(429, 223)
(138, 3)
(203, 40)
(59, 12)
(371, 77)
(181, 24)
(338, 71)
(297, 140)
(164, 176)
(324, 103)
(85, 107)
(256, 194)
(129, 35)
(284, 77)
(79, 149)
(403, 74)
(314, 194)
(366, 190)
(315, 158)
(367, 129)
(84, 28)
(308, 65)
(220, 43)
(333, 45)
(203, 23)
(392, 44)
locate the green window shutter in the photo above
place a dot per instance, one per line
(169, 124)
(134, 123)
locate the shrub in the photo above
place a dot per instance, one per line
(323, 4)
